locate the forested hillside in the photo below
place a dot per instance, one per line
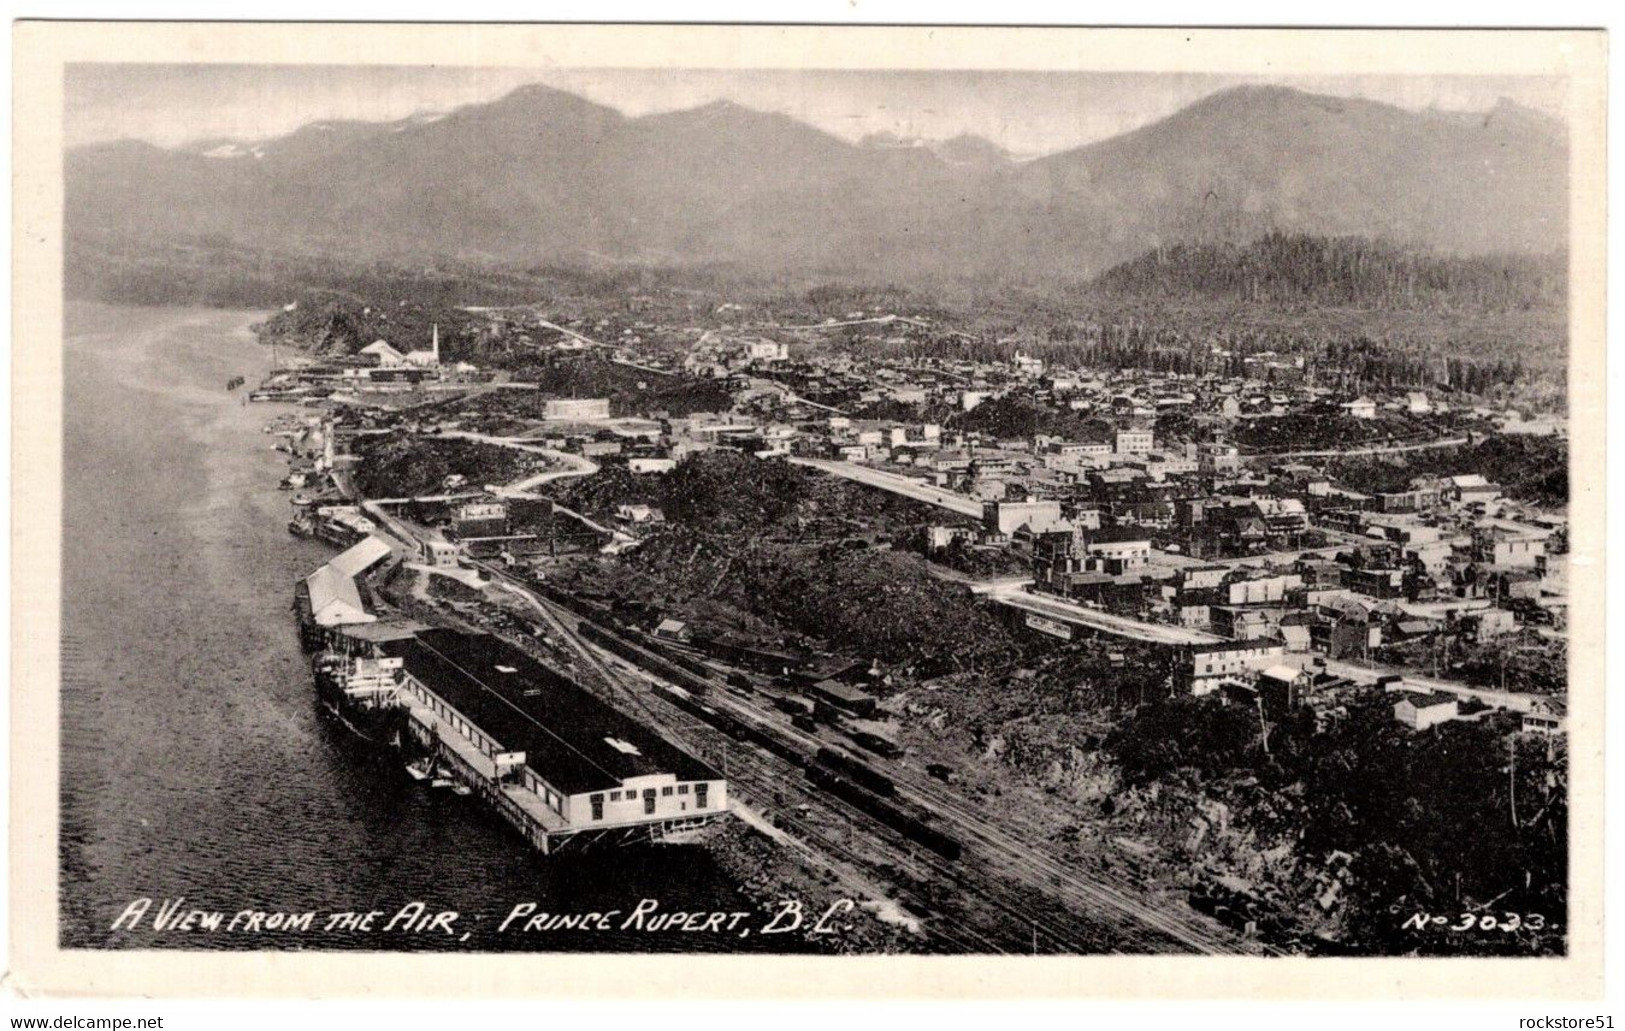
(1341, 271)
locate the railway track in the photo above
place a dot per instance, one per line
(768, 778)
(1132, 916)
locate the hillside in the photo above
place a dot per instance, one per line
(1280, 269)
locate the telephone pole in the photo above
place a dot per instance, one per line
(1512, 778)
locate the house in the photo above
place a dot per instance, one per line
(1118, 557)
(1218, 459)
(480, 519)
(767, 351)
(1295, 632)
(441, 554)
(1344, 635)
(944, 536)
(1547, 716)
(1491, 623)
(1281, 689)
(1361, 408)
(1523, 552)
(1421, 711)
(1417, 499)
(1198, 578)
(1243, 624)
(642, 466)
(1377, 582)
(1516, 585)
(1416, 402)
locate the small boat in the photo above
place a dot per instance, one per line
(419, 770)
(460, 788)
(441, 782)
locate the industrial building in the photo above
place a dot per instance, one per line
(331, 598)
(547, 754)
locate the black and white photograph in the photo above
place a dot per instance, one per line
(602, 507)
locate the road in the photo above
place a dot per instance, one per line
(958, 504)
(876, 320)
(1158, 633)
(1365, 672)
(792, 397)
(1381, 449)
(574, 465)
(907, 487)
(1096, 619)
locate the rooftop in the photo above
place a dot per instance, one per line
(1431, 699)
(570, 738)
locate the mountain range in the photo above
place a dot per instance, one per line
(542, 176)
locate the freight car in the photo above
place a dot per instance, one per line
(912, 823)
(736, 728)
(877, 744)
(857, 770)
(793, 704)
(583, 607)
(644, 657)
(672, 655)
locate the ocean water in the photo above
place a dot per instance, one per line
(194, 763)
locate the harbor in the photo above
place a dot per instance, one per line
(200, 706)
(473, 713)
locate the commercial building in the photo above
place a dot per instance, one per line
(1207, 665)
(1134, 442)
(1006, 517)
(1116, 557)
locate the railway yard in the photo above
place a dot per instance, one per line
(970, 879)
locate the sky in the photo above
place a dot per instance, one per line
(1027, 113)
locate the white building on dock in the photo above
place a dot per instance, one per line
(556, 761)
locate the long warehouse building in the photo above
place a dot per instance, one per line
(553, 757)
